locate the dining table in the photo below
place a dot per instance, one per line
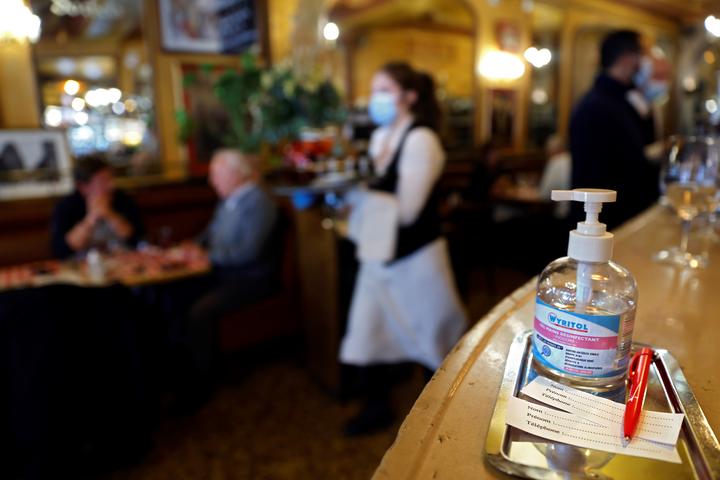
(132, 268)
(85, 353)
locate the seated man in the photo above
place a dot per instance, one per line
(95, 215)
(237, 236)
(240, 245)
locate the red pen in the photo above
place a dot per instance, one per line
(638, 374)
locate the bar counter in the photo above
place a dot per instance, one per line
(443, 437)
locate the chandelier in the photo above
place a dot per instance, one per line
(18, 23)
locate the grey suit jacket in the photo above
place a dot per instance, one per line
(239, 236)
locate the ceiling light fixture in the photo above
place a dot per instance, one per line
(497, 65)
(18, 23)
(331, 31)
(712, 25)
(538, 58)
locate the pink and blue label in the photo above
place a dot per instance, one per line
(577, 344)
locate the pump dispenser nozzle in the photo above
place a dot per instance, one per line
(590, 242)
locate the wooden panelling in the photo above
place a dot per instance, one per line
(180, 210)
(319, 292)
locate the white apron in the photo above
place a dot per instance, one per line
(408, 310)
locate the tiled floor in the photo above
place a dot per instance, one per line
(270, 421)
(273, 423)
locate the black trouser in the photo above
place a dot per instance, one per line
(376, 381)
(201, 323)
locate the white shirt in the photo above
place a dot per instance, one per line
(421, 163)
(556, 176)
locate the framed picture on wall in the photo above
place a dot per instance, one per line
(34, 163)
(208, 26)
(201, 114)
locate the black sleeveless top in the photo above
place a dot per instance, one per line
(426, 227)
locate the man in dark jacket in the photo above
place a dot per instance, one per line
(608, 136)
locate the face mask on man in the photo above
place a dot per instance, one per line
(651, 88)
(382, 108)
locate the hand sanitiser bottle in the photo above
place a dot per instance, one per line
(585, 307)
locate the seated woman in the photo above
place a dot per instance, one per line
(95, 215)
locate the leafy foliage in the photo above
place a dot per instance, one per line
(269, 106)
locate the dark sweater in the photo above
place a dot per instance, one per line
(607, 141)
(70, 210)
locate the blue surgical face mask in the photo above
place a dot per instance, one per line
(655, 90)
(382, 108)
(644, 73)
(651, 89)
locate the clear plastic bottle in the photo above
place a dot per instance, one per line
(585, 308)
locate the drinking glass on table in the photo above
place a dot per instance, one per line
(689, 181)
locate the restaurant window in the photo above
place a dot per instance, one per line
(95, 81)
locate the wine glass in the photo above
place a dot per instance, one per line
(689, 181)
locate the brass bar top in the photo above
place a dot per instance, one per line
(443, 436)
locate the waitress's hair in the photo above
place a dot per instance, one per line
(426, 108)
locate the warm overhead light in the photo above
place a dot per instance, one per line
(53, 116)
(113, 130)
(132, 138)
(711, 105)
(538, 58)
(114, 95)
(539, 96)
(81, 118)
(331, 31)
(712, 25)
(709, 57)
(18, 23)
(130, 105)
(689, 84)
(133, 133)
(71, 87)
(78, 104)
(498, 65)
(100, 97)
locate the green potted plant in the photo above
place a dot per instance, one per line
(268, 108)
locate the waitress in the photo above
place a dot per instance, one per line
(405, 308)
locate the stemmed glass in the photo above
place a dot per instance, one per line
(689, 181)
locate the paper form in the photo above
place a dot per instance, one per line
(571, 429)
(655, 426)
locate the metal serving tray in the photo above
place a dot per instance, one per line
(515, 452)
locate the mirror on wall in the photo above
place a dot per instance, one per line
(698, 85)
(95, 80)
(543, 59)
